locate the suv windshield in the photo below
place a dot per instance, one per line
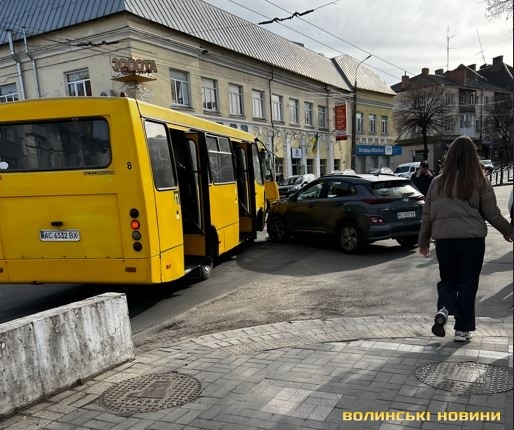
(393, 188)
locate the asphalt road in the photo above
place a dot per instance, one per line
(295, 281)
(270, 282)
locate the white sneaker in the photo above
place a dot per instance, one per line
(440, 319)
(462, 336)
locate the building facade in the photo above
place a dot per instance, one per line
(476, 103)
(190, 56)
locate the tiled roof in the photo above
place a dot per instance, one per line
(192, 17)
(367, 79)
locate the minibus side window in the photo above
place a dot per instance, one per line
(160, 156)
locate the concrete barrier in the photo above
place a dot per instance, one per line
(50, 351)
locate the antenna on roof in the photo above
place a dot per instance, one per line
(448, 37)
(481, 50)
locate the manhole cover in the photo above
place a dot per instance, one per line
(466, 377)
(150, 393)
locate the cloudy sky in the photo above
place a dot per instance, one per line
(403, 36)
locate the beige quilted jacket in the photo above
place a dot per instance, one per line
(451, 218)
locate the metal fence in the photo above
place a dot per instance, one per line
(501, 176)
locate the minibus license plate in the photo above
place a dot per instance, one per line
(408, 214)
(71, 235)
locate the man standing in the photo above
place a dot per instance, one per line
(422, 178)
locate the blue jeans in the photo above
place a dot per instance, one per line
(460, 264)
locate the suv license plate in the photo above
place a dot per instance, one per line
(71, 235)
(408, 214)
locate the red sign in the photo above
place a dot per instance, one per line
(341, 117)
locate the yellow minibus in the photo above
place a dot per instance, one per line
(116, 190)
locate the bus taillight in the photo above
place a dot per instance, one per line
(135, 225)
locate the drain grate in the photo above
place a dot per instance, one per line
(466, 377)
(150, 393)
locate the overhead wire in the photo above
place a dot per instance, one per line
(313, 39)
(340, 38)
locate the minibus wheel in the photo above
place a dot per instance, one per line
(204, 271)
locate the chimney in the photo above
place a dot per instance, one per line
(498, 60)
(439, 72)
(483, 66)
(405, 82)
(473, 66)
(424, 71)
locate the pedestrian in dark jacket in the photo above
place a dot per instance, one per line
(422, 177)
(457, 204)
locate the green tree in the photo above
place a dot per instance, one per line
(420, 112)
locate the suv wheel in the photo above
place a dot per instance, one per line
(408, 242)
(276, 229)
(350, 239)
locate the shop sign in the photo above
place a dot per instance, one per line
(130, 66)
(340, 111)
(296, 153)
(378, 150)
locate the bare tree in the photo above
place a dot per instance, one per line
(498, 8)
(499, 125)
(420, 111)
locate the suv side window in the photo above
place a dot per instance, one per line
(340, 189)
(311, 192)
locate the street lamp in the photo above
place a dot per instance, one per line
(354, 114)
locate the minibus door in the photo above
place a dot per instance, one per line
(194, 185)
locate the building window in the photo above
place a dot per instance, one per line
(235, 96)
(276, 107)
(360, 123)
(294, 111)
(79, 83)
(258, 103)
(322, 166)
(209, 95)
(8, 93)
(180, 88)
(450, 100)
(467, 121)
(308, 113)
(372, 123)
(337, 164)
(420, 102)
(486, 102)
(384, 124)
(322, 117)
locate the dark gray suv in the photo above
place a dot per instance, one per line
(353, 209)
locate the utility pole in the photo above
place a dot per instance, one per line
(354, 115)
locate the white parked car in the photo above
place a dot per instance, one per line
(488, 165)
(406, 170)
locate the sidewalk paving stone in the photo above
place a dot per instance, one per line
(298, 375)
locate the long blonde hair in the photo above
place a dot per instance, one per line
(462, 170)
